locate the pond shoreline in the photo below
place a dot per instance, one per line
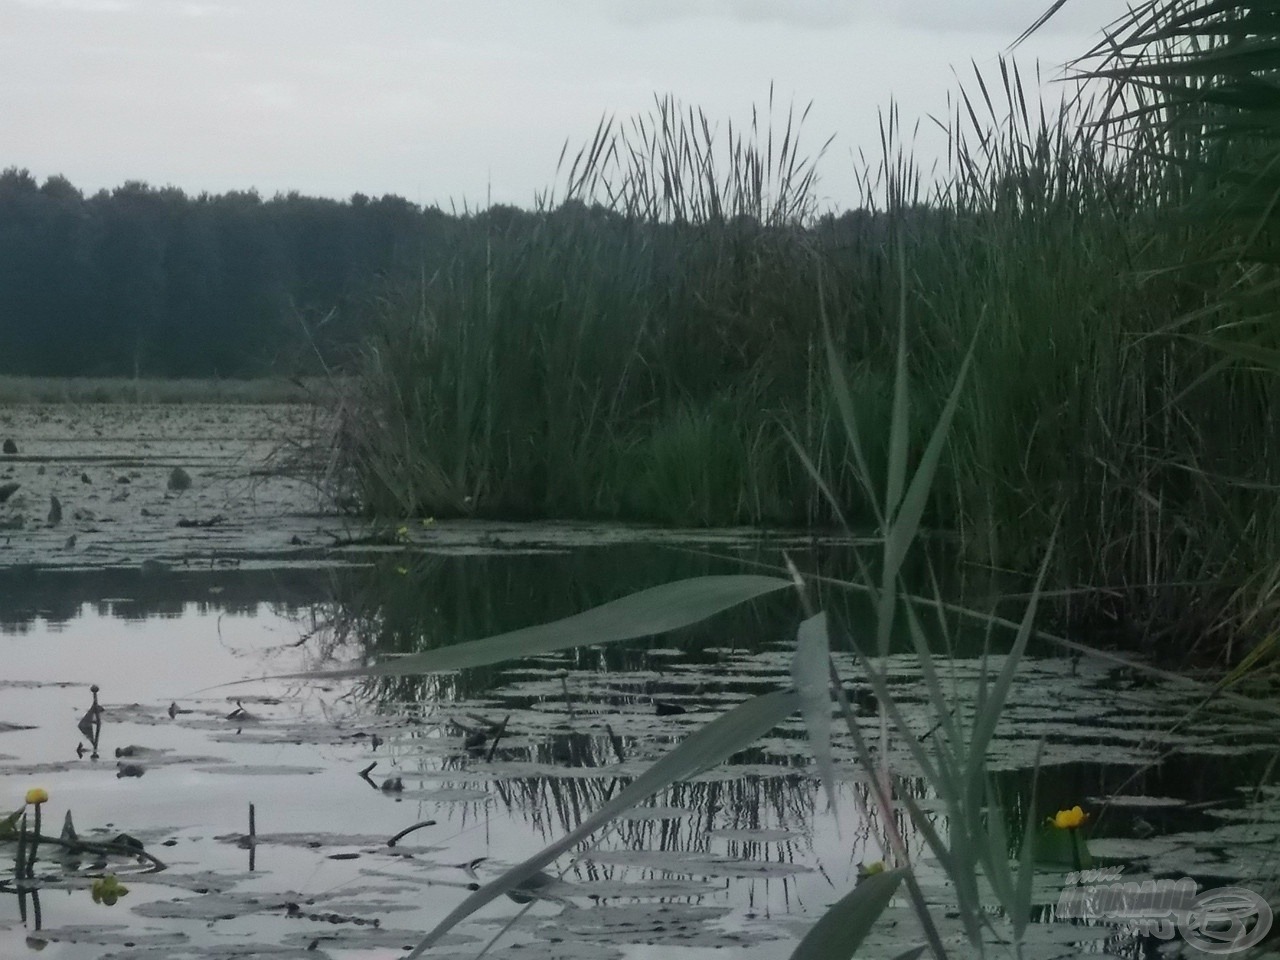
(109, 467)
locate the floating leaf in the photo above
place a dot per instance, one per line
(1064, 848)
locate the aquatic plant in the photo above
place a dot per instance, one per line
(1192, 90)
(1076, 399)
(1068, 819)
(641, 348)
(1061, 841)
(954, 766)
(36, 797)
(107, 890)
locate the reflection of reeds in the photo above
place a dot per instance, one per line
(442, 600)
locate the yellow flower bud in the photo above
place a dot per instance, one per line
(1069, 819)
(37, 795)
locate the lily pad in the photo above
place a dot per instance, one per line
(260, 770)
(1137, 801)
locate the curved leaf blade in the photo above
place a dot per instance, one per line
(705, 748)
(811, 674)
(842, 928)
(656, 610)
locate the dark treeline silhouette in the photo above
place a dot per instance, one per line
(147, 281)
(153, 282)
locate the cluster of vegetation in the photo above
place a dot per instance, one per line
(651, 346)
(1089, 302)
(654, 348)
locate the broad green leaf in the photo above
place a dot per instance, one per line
(811, 673)
(648, 612)
(1062, 848)
(712, 744)
(841, 930)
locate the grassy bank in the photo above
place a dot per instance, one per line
(654, 349)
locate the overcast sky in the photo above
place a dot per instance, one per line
(453, 101)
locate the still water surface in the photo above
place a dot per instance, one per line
(744, 857)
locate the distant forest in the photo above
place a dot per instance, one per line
(154, 282)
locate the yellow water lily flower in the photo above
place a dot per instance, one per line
(107, 890)
(37, 795)
(1069, 819)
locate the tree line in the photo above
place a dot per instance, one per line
(150, 281)
(153, 282)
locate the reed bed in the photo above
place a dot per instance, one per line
(650, 347)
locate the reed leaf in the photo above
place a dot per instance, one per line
(810, 672)
(712, 744)
(841, 930)
(643, 614)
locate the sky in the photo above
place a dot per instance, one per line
(471, 101)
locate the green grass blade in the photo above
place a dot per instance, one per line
(942, 706)
(906, 523)
(989, 711)
(841, 930)
(648, 612)
(810, 672)
(1021, 906)
(900, 420)
(848, 417)
(712, 744)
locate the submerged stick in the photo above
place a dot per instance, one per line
(497, 735)
(90, 846)
(408, 830)
(253, 838)
(616, 741)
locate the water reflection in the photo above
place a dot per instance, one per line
(505, 759)
(406, 604)
(28, 595)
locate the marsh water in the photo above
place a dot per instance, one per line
(492, 764)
